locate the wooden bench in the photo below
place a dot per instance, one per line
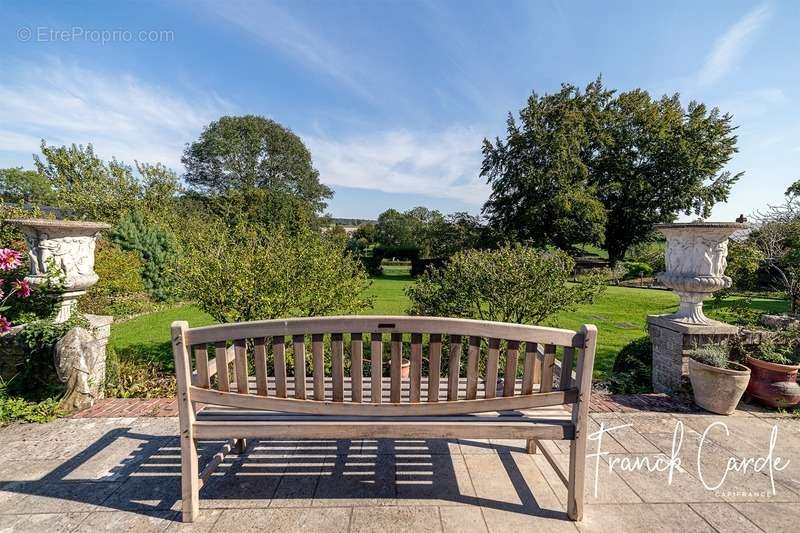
(500, 383)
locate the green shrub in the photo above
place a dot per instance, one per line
(712, 354)
(650, 253)
(138, 375)
(509, 284)
(241, 274)
(156, 249)
(120, 290)
(632, 372)
(634, 270)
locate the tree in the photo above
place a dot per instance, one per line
(596, 165)
(778, 240)
(25, 186)
(251, 152)
(397, 230)
(540, 175)
(86, 186)
(509, 284)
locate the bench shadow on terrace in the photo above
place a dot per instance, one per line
(282, 473)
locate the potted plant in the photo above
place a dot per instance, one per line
(774, 365)
(717, 382)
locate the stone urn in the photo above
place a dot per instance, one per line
(695, 260)
(718, 389)
(66, 245)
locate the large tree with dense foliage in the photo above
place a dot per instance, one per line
(595, 165)
(19, 185)
(235, 154)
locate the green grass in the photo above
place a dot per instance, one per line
(620, 315)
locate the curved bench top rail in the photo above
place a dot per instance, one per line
(383, 324)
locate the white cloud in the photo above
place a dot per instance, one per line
(276, 27)
(442, 164)
(120, 115)
(729, 48)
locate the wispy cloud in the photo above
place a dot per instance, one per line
(730, 47)
(276, 27)
(441, 164)
(121, 115)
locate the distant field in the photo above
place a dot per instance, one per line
(620, 315)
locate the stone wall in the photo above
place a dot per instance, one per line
(672, 342)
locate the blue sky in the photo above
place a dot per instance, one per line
(393, 98)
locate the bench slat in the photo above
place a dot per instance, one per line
(260, 360)
(221, 356)
(242, 379)
(434, 366)
(491, 368)
(356, 365)
(528, 371)
(510, 372)
(454, 367)
(299, 351)
(279, 354)
(376, 367)
(337, 366)
(472, 367)
(397, 361)
(415, 371)
(565, 381)
(548, 364)
(318, 353)
(201, 362)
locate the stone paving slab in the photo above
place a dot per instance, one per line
(117, 474)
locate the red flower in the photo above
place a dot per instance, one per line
(5, 325)
(22, 288)
(9, 259)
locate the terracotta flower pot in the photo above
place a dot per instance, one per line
(773, 384)
(718, 389)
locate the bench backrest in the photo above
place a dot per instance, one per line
(489, 366)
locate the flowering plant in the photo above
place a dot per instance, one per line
(10, 262)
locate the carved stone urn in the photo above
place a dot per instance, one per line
(66, 245)
(696, 259)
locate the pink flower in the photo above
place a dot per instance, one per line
(22, 288)
(5, 325)
(9, 259)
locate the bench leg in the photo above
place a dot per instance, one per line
(577, 471)
(531, 446)
(190, 479)
(241, 446)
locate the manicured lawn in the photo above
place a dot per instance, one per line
(620, 315)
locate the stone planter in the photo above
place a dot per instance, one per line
(405, 368)
(718, 389)
(66, 245)
(695, 261)
(773, 384)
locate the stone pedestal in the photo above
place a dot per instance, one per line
(672, 342)
(80, 361)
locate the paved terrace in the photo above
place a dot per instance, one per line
(121, 472)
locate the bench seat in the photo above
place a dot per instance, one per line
(550, 423)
